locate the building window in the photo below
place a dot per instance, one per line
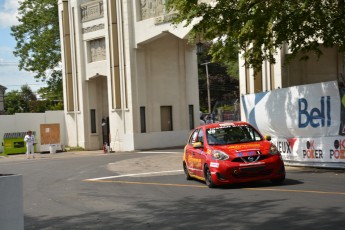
(97, 50)
(201, 136)
(93, 120)
(246, 66)
(166, 118)
(272, 76)
(68, 58)
(257, 81)
(142, 119)
(191, 116)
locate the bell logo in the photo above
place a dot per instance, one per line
(316, 117)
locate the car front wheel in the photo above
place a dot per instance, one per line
(208, 177)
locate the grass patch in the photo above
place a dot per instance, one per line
(73, 149)
(3, 155)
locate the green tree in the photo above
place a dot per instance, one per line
(19, 101)
(38, 42)
(27, 93)
(25, 101)
(223, 81)
(53, 93)
(257, 28)
(13, 102)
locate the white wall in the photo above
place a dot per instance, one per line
(161, 139)
(22, 122)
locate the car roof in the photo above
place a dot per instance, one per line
(220, 124)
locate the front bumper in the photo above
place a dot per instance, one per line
(228, 172)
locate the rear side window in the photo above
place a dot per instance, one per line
(201, 136)
(193, 137)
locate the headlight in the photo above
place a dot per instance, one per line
(273, 149)
(219, 155)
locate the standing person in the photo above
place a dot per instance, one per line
(209, 119)
(30, 142)
(202, 122)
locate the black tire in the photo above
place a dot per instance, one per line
(186, 173)
(208, 177)
(278, 181)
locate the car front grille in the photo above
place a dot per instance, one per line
(249, 172)
(249, 159)
(252, 169)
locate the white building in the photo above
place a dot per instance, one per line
(328, 67)
(130, 78)
(300, 105)
(282, 74)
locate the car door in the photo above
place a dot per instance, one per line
(189, 152)
(199, 155)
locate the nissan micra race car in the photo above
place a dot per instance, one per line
(227, 153)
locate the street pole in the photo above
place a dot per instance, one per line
(208, 87)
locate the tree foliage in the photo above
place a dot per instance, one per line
(25, 101)
(18, 101)
(223, 88)
(223, 81)
(38, 44)
(53, 91)
(258, 28)
(13, 102)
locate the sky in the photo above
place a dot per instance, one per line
(10, 75)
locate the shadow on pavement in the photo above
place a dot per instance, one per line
(216, 212)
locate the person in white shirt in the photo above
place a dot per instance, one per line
(30, 143)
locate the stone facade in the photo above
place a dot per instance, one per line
(130, 78)
(151, 8)
(92, 10)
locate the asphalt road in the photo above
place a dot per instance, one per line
(147, 190)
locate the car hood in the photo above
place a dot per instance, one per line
(234, 149)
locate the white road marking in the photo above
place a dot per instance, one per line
(132, 175)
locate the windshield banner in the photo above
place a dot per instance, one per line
(311, 110)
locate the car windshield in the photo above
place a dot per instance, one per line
(231, 134)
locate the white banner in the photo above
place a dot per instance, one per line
(322, 151)
(301, 111)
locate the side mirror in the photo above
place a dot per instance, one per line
(268, 138)
(197, 145)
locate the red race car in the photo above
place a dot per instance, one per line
(234, 152)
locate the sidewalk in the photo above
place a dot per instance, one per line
(14, 157)
(59, 154)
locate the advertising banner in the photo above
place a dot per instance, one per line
(342, 99)
(321, 151)
(301, 111)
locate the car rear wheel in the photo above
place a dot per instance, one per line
(186, 173)
(278, 180)
(208, 177)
